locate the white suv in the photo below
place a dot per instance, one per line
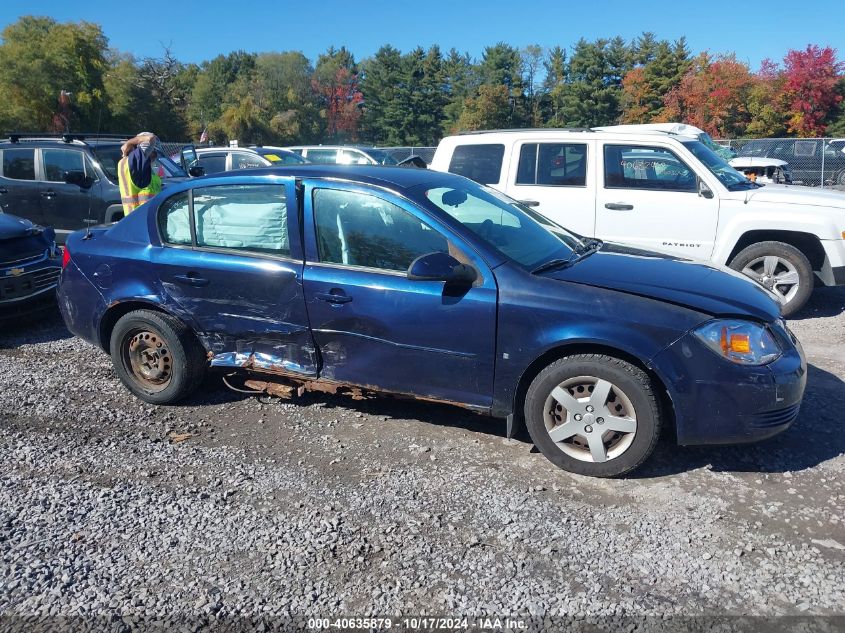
(663, 192)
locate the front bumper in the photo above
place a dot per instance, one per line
(832, 272)
(719, 402)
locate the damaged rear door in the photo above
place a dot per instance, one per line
(231, 257)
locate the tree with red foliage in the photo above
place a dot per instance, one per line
(810, 88)
(712, 95)
(336, 81)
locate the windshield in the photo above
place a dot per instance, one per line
(726, 174)
(383, 158)
(514, 230)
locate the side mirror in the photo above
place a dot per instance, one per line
(703, 190)
(188, 157)
(441, 267)
(196, 171)
(78, 178)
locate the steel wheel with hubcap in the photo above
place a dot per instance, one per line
(593, 414)
(781, 268)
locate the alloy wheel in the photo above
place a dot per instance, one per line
(590, 419)
(775, 273)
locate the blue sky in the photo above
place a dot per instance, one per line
(197, 31)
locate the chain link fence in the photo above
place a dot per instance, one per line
(813, 162)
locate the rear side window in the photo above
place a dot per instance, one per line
(174, 220)
(57, 162)
(481, 163)
(242, 217)
(19, 164)
(325, 156)
(554, 164)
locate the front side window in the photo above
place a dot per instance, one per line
(57, 162)
(243, 217)
(359, 229)
(640, 167)
(481, 163)
(246, 161)
(351, 157)
(554, 164)
(19, 164)
(213, 163)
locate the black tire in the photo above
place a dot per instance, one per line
(180, 360)
(634, 384)
(840, 178)
(786, 252)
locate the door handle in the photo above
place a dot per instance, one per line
(48, 194)
(191, 279)
(530, 203)
(618, 206)
(331, 297)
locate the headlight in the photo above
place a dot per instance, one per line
(742, 342)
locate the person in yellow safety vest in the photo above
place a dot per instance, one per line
(136, 176)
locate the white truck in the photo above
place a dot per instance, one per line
(663, 192)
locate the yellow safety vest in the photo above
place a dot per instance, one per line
(131, 195)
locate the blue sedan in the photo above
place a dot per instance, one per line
(429, 285)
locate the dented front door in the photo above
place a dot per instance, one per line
(240, 278)
(376, 328)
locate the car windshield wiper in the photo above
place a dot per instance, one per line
(554, 263)
(584, 249)
(739, 186)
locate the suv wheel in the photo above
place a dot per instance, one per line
(780, 267)
(156, 356)
(593, 414)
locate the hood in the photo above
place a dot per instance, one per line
(694, 284)
(793, 194)
(11, 226)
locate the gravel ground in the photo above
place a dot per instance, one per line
(231, 506)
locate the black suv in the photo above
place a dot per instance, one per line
(65, 181)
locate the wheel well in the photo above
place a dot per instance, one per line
(556, 353)
(807, 243)
(113, 314)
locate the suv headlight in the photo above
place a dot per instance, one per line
(742, 342)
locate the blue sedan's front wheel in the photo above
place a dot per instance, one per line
(593, 414)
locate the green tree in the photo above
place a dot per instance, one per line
(461, 79)
(592, 94)
(282, 89)
(491, 109)
(336, 83)
(219, 84)
(39, 58)
(645, 87)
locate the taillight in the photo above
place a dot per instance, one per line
(65, 257)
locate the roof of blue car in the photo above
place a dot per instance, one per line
(397, 177)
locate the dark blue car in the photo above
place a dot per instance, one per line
(427, 284)
(30, 264)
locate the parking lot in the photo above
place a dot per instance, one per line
(231, 505)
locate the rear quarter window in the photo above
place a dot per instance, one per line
(481, 163)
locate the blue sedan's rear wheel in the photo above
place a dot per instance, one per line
(156, 356)
(593, 414)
